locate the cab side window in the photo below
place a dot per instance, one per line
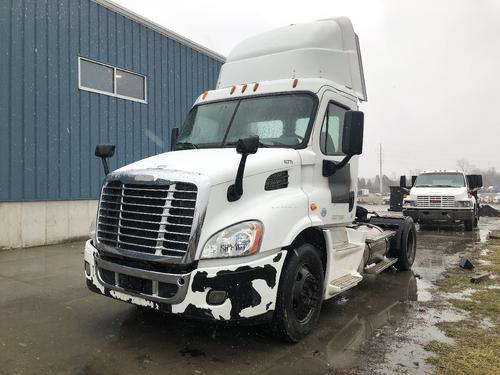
(331, 131)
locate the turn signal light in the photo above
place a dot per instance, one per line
(204, 95)
(313, 206)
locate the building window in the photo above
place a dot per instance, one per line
(105, 79)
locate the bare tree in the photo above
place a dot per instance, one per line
(463, 164)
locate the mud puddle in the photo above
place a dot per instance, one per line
(379, 326)
(438, 249)
(50, 323)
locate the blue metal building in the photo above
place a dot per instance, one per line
(75, 73)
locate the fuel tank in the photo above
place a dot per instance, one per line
(377, 243)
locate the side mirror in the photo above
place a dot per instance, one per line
(248, 145)
(352, 142)
(245, 147)
(104, 152)
(352, 136)
(475, 181)
(174, 136)
(402, 181)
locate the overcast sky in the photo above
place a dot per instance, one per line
(432, 69)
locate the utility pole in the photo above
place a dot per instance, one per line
(380, 175)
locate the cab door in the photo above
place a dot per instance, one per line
(334, 195)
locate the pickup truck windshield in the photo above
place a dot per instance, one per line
(440, 180)
(278, 120)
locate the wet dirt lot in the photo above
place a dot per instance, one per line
(51, 324)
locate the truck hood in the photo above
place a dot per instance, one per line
(218, 164)
(416, 191)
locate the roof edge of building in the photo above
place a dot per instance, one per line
(111, 5)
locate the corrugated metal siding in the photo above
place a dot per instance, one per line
(49, 128)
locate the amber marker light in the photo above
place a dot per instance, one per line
(295, 82)
(313, 206)
(255, 87)
(258, 237)
(204, 95)
(243, 88)
(232, 90)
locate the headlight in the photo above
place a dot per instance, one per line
(463, 203)
(408, 202)
(237, 240)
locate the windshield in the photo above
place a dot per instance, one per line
(278, 120)
(440, 180)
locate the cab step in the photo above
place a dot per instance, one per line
(380, 266)
(343, 283)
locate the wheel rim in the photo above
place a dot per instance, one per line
(305, 294)
(410, 246)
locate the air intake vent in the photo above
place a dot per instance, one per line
(278, 180)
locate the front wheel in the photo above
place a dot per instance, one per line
(300, 294)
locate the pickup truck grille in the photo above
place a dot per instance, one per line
(154, 219)
(435, 201)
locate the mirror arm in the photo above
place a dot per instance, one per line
(235, 191)
(330, 167)
(105, 166)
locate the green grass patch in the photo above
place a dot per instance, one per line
(477, 345)
(485, 302)
(475, 350)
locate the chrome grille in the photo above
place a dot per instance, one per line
(154, 219)
(435, 201)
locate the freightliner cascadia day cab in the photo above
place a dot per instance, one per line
(252, 216)
(444, 196)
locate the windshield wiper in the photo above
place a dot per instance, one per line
(187, 144)
(234, 144)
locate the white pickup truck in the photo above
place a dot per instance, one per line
(444, 196)
(252, 216)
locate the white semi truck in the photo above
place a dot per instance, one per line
(444, 196)
(252, 216)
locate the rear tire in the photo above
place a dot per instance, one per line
(300, 295)
(407, 248)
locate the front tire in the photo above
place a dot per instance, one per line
(300, 294)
